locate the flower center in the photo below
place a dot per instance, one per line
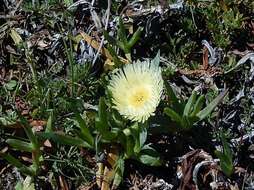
(138, 98)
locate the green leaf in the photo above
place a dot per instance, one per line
(225, 157)
(171, 93)
(29, 132)
(192, 120)
(188, 107)
(106, 135)
(121, 46)
(27, 184)
(209, 108)
(198, 105)
(174, 116)
(50, 122)
(21, 145)
(122, 33)
(139, 134)
(117, 121)
(129, 146)
(19, 186)
(81, 136)
(101, 124)
(149, 156)
(84, 130)
(119, 170)
(173, 98)
(74, 104)
(11, 85)
(135, 37)
(225, 163)
(156, 59)
(103, 119)
(15, 162)
(117, 179)
(226, 149)
(142, 136)
(228, 169)
(65, 139)
(187, 122)
(111, 135)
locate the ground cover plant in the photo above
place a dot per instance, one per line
(120, 94)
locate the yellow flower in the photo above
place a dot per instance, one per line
(137, 89)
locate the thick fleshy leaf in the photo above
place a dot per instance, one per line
(65, 139)
(188, 107)
(84, 130)
(15, 162)
(174, 116)
(226, 148)
(49, 127)
(139, 134)
(30, 134)
(27, 184)
(135, 37)
(198, 105)
(129, 146)
(210, 107)
(102, 119)
(225, 163)
(173, 98)
(122, 33)
(149, 156)
(21, 145)
(142, 136)
(11, 85)
(226, 157)
(119, 170)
